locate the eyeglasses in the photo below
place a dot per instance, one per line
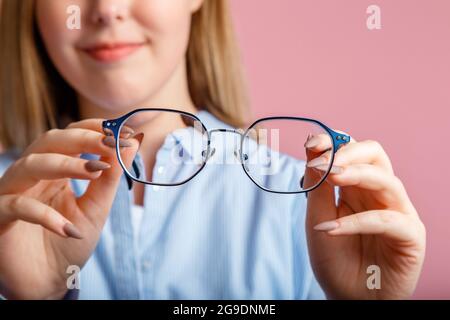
(271, 151)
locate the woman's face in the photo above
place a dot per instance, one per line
(125, 50)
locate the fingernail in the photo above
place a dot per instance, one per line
(139, 137)
(123, 143)
(111, 142)
(333, 170)
(312, 142)
(125, 135)
(71, 231)
(108, 132)
(95, 165)
(327, 226)
(319, 161)
(127, 130)
(307, 139)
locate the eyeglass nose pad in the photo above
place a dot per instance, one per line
(245, 156)
(237, 154)
(211, 153)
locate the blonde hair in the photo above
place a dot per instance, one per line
(34, 98)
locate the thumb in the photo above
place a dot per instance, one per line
(321, 205)
(96, 202)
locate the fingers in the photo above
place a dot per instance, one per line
(392, 224)
(320, 142)
(70, 142)
(369, 152)
(14, 207)
(361, 164)
(321, 204)
(97, 200)
(387, 188)
(90, 124)
(29, 170)
(97, 125)
(80, 137)
(321, 201)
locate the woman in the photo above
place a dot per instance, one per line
(217, 237)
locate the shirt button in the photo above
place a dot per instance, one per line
(160, 169)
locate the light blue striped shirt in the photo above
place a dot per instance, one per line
(216, 237)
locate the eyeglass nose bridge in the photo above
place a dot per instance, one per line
(236, 152)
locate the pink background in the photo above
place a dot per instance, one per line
(317, 59)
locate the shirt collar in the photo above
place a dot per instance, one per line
(188, 142)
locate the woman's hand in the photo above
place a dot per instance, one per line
(44, 228)
(374, 223)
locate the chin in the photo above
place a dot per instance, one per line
(120, 99)
(120, 106)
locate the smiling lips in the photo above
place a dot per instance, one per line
(112, 52)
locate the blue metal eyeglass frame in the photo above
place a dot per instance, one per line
(115, 125)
